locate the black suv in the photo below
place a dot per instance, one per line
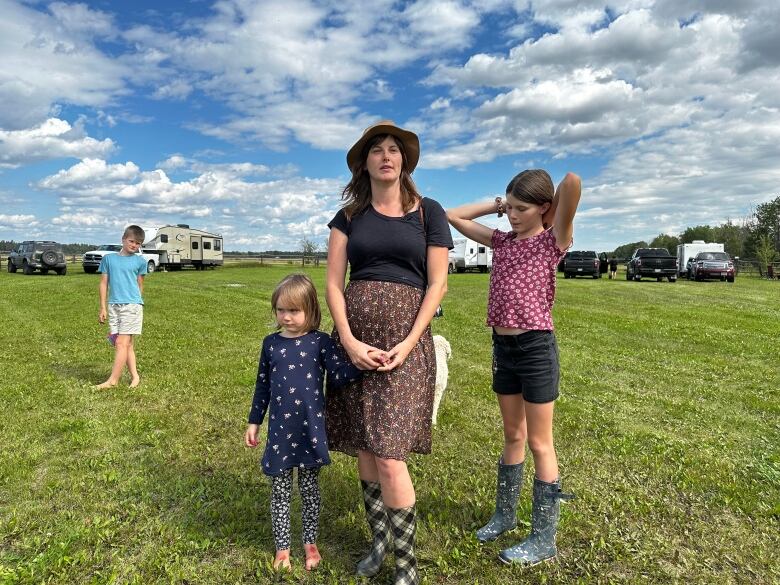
(38, 255)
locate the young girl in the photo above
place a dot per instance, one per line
(290, 378)
(525, 353)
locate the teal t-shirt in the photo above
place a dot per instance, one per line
(123, 273)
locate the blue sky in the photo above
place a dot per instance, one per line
(235, 116)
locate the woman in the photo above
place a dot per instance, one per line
(396, 243)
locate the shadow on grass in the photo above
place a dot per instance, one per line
(207, 504)
(89, 373)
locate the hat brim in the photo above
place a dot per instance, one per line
(410, 141)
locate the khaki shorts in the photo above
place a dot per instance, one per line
(126, 319)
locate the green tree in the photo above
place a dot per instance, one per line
(666, 241)
(698, 232)
(309, 248)
(765, 252)
(732, 237)
(627, 250)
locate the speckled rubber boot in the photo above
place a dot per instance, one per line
(376, 514)
(508, 484)
(540, 544)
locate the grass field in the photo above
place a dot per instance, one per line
(667, 430)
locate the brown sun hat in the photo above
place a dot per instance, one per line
(411, 143)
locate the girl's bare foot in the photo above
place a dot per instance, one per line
(282, 560)
(313, 557)
(106, 384)
(134, 382)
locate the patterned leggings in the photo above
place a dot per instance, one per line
(281, 494)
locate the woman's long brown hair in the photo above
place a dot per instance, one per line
(357, 193)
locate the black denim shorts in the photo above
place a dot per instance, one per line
(526, 364)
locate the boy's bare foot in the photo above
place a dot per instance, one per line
(282, 560)
(106, 384)
(313, 557)
(134, 382)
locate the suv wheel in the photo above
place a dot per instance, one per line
(150, 267)
(11, 266)
(62, 271)
(26, 268)
(49, 257)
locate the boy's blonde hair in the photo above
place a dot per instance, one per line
(135, 232)
(296, 291)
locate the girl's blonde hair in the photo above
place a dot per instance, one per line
(296, 291)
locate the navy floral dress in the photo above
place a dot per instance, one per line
(290, 379)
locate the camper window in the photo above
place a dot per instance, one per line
(164, 238)
(481, 249)
(207, 245)
(194, 245)
(217, 245)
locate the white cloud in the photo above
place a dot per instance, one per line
(52, 139)
(18, 221)
(90, 173)
(441, 23)
(52, 58)
(284, 209)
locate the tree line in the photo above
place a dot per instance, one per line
(758, 237)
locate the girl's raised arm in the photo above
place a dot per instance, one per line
(461, 218)
(567, 196)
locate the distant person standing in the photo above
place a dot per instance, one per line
(613, 267)
(121, 301)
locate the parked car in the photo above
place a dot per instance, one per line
(653, 263)
(43, 255)
(581, 263)
(712, 265)
(91, 259)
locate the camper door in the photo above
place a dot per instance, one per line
(196, 248)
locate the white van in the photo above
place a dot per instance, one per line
(470, 255)
(686, 252)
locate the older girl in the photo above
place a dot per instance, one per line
(525, 352)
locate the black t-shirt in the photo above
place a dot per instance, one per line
(393, 249)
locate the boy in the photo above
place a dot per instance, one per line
(121, 286)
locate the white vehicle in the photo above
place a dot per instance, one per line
(687, 252)
(91, 259)
(180, 245)
(470, 255)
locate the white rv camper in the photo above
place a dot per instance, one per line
(687, 252)
(470, 255)
(180, 245)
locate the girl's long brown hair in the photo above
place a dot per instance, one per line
(357, 193)
(532, 186)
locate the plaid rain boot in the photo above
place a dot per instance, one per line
(376, 515)
(540, 544)
(508, 484)
(404, 525)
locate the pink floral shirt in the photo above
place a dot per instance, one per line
(522, 281)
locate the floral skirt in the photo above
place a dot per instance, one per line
(386, 413)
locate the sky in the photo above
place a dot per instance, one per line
(234, 116)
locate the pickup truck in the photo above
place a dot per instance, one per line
(91, 260)
(652, 263)
(712, 265)
(581, 263)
